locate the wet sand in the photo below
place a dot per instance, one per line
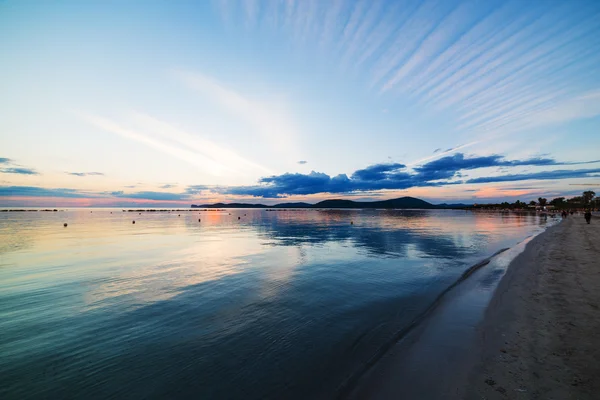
(540, 338)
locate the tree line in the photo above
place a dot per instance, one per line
(588, 199)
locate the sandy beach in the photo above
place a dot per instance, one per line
(540, 338)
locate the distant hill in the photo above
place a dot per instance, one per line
(230, 205)
(292, 205)
(456, 205)
(402, 202)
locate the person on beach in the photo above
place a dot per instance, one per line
(588, 216)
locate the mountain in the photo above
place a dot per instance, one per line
(293, 205)
(402, 202)
(230, 205)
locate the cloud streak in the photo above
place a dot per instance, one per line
(19, 171)
(85, 173)
(34, 191)
(15, 169)
(270, 122)
(544, 175)
(193, 149)
(493, 64)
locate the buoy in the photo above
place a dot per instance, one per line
(65, 224)
(239, 217)
(140, 213)
(199, 220)
(133, 222)
(179, 215)
(351, 222)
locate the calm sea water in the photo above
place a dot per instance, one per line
(285, 304)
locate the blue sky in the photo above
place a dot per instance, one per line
(159, 103)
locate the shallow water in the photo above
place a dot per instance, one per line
(274, 304)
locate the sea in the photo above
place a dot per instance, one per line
(223, 304)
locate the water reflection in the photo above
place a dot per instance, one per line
(274, 305)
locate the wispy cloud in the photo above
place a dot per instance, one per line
(302, 162)
(18, 170)
(34, 191)
(227, 159)
(150, 195)
(180, 153)
(493, 66)
(15, 168)
(270, 122)
(85, 173)
(159, 135)
(544, 175)
(439, 154)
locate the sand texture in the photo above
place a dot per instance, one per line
(541, 335)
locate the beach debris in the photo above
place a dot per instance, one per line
(179, 215)
(65, 224)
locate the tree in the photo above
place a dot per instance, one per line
(532, 203)
(558, 202)
(542, 201)
(575, 200)
(587, 197)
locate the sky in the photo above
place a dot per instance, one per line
(160, 103)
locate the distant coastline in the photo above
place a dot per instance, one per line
(402, 202)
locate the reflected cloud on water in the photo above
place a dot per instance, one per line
(273, 304)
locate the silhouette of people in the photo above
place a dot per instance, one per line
(588, 216)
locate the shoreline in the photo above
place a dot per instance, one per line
(437, 347)
(349, 386)
(540, 334)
